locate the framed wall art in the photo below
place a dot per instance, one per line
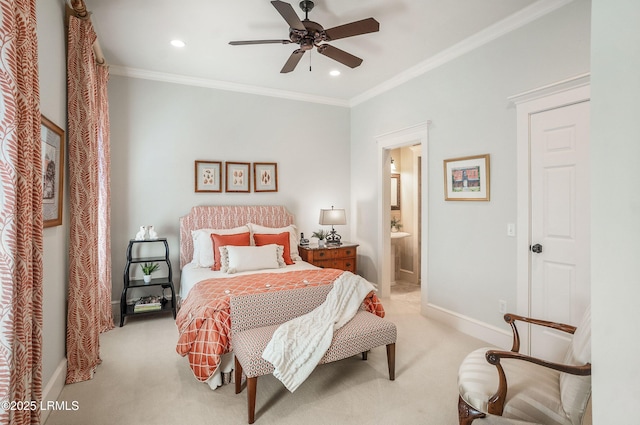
(208, 176)
(265, 177)
(52, 145)
(237, 176)
(467, 178)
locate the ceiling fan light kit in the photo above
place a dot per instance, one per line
(309, 34)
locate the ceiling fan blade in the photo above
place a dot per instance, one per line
(339, 55)
(241, 43)
(292, 62)
(289, 15)
(364, 26)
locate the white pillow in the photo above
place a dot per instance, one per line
(294, 240)
(203, 246)
(236, 259)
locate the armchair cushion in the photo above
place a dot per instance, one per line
(533, 395)
(575, 390)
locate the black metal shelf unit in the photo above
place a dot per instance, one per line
(164, 282)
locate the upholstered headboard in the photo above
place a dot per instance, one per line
(227, 217)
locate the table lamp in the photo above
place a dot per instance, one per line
(332, 217)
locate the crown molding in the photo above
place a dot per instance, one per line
(505, 26)
(223, 85)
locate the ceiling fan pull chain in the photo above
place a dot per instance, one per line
(310, 61)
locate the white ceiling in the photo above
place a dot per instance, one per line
(135, 35)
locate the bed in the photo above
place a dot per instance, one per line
(265, 260)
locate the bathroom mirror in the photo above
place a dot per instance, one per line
(395, 191)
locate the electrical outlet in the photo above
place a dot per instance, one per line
(502, 306)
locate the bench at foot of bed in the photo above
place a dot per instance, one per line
(255, 318)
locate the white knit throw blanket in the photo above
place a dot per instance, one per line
(297, 346)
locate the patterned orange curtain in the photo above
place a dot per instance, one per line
(89, 306)
(104, 200)
(20, 214)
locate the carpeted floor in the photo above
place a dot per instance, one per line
(142, 380)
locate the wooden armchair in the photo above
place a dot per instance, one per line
(529, 389)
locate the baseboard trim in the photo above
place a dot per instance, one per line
(472, 327)
(52, 390)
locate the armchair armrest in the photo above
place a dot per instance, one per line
(512, 318)
(494, 356)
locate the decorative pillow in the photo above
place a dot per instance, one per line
(202, 246)
(293, 236)
(281, 239)
(236, 259)
(239, 239)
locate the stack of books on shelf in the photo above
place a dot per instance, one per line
(149, 303)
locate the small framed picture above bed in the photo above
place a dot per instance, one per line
(208, 176)
(238, 176)
(265, 177)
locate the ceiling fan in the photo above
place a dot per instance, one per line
(309, 34)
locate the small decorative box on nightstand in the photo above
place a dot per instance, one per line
(341, 257)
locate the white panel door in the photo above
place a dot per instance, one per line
(560, 220)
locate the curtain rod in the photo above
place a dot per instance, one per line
(80, 10)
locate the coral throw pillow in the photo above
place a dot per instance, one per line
(281, 239)
(238, 239)
(293, 236)
(203, 248)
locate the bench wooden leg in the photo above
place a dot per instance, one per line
(238, 375)
(251, 398)
(364, 355)
(391, 361)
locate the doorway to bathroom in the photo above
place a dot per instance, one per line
(402, 213)
(405, 223)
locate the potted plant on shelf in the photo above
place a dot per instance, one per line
(321, 235)
(147, 269)
(395, 224)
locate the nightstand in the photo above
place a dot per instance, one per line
(342, 257)
(165, 282)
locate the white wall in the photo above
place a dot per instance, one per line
(471, 260)
(53, 105)
(615, 213)
(159, 129)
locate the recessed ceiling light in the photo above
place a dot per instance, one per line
(177, 43)
(334, 73)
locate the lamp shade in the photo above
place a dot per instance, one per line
(333, 216)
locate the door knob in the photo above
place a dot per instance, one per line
(537, 248)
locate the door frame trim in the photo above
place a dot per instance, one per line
(417, 134)
(563, 93)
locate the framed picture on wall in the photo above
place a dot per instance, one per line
(265, 177)
(237, 176)
(208, 176)
(52, 145)
(467, 178)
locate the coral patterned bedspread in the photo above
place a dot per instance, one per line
(204, 322)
